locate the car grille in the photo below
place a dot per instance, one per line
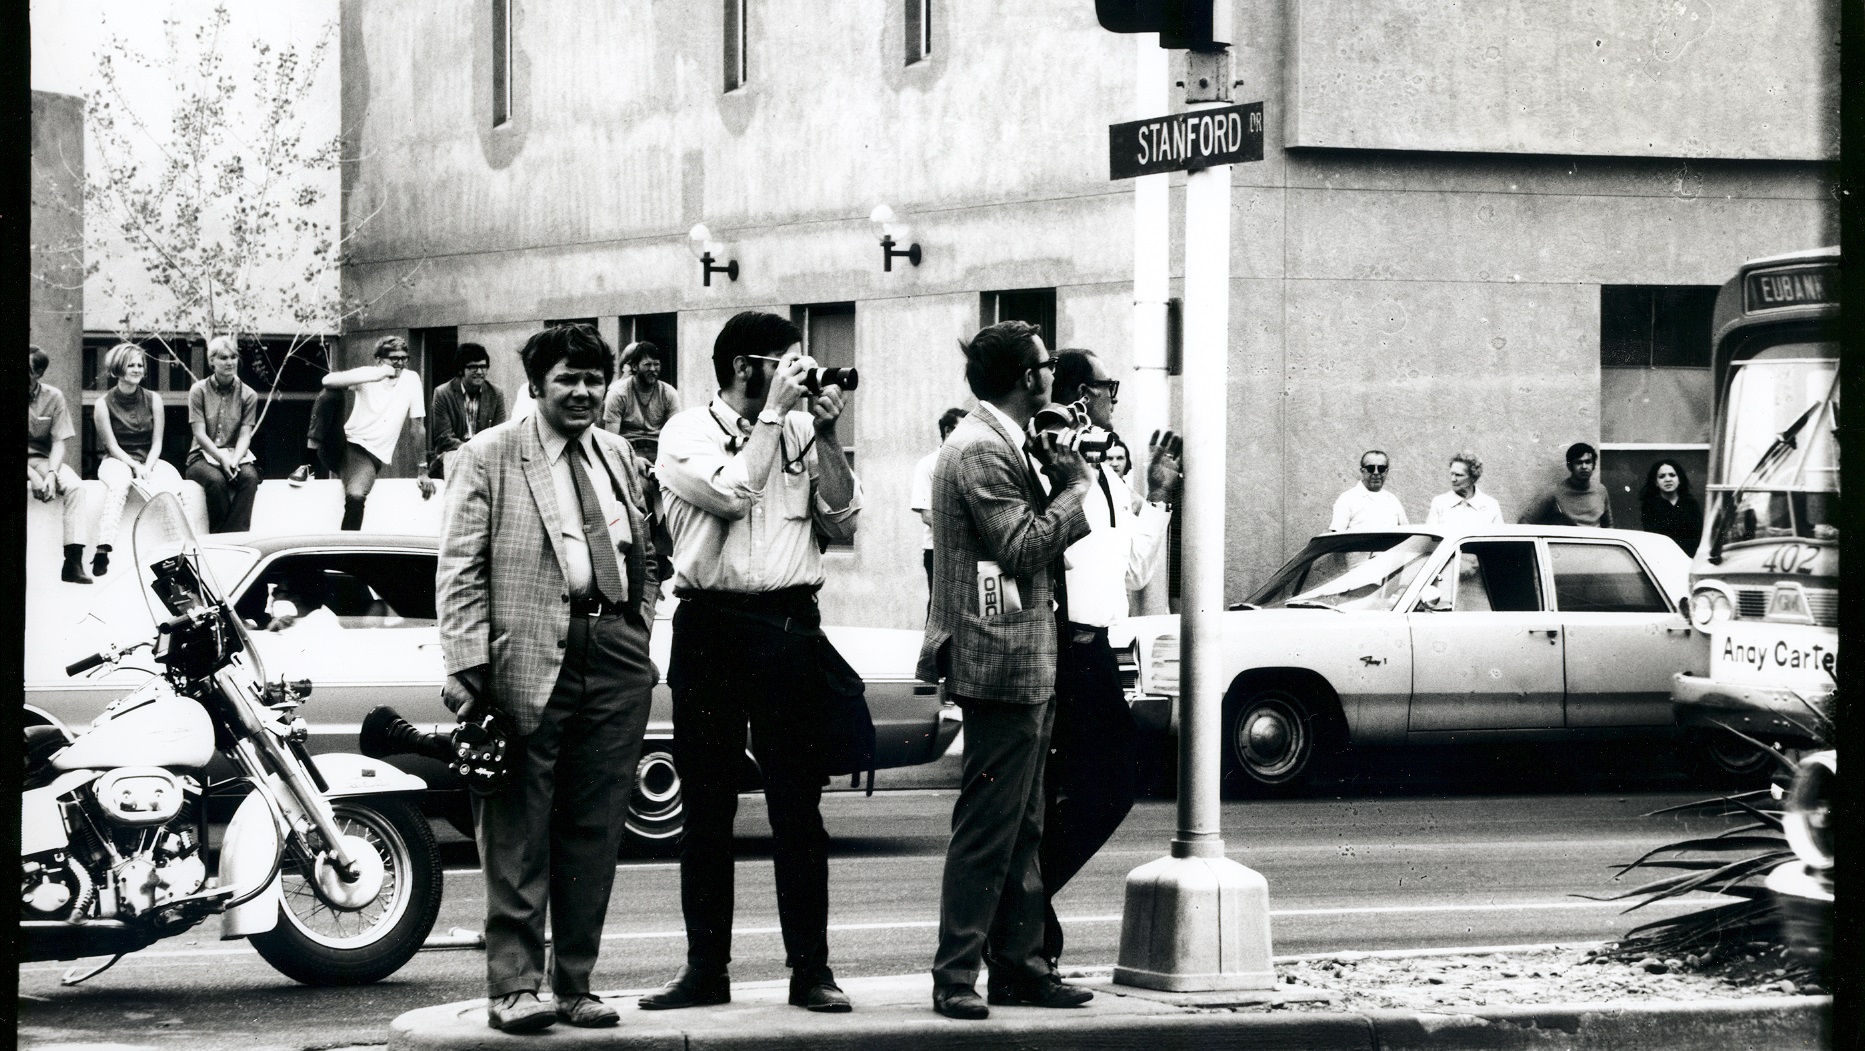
(1752, 602)
(1822, 604)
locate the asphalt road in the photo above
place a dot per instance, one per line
(1467, 850)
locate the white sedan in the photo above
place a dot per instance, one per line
(1434, 636)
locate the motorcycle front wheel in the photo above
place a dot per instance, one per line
(318, 943)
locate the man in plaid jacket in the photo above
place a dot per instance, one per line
(998, 540)
(545, 600)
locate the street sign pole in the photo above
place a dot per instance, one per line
(1152, 237)
(1197, 921)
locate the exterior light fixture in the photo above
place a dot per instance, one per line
(700, 242)
(893, 232)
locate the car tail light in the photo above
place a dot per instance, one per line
(1163, 667)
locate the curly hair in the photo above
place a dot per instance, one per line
(1470, 462)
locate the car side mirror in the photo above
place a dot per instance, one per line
(1433, 600)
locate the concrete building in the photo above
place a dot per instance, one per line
(1493, 226)
(55, 318)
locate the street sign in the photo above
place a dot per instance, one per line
(1187, 141)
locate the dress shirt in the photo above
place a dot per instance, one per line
(1453, 510)
(1361, 508)
(735, 533)
(1119, 554)
(920, 494)
(580, 575)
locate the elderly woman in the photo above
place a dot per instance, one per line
(128, 420)
(222, 414)
(1463, 505)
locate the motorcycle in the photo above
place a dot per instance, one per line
(327, 867)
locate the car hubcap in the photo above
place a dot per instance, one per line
(654, 810)
(1272, 740)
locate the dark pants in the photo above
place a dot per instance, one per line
(548, 837)
(229, 500)
(360, 468)
(728, 672)
(993, 890)
(1088, 783)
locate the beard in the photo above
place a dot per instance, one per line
(757, 385)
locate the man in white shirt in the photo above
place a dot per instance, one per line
(1369, 505)
(1463, 505)
(388, 396)
(1088, 783)
(749, 483)
(920, 495)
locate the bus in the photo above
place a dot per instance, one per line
(1764, 585)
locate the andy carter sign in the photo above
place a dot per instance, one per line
(1185, 141)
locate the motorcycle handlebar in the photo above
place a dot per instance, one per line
(84, 665)
(174, 624)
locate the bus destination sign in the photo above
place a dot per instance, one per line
(1792, 287)
(1188, 141)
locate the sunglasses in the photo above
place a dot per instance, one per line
(1373, 468)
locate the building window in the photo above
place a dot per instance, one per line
(501, 62)
(435, 352)
(737, 70)
(662, 330)
(1034, 305)
(919, 30)
(1655, 387)
(554, 322)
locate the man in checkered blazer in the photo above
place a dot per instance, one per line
(998, 540)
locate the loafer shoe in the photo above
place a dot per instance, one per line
(587, 1011)
(299, 476)
(520, 1012)
(1047, 991)
(959, 1001)
(690, 988)
(820, 994)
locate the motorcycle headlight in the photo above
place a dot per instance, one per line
(1806, 815)
(1709, 607)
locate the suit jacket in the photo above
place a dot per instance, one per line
(987, 505)
(447, 419)
(500, 584)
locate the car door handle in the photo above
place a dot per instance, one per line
(1551, 633)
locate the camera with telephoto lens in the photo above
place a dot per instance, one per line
(814, 380)
(1078, 432)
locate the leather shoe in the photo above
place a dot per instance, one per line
(819, 993)
(690, 988)
(959, 1001)
(587, 1011)
(520, 1012)
(1046, 991)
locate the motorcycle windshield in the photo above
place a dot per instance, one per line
(175, 579)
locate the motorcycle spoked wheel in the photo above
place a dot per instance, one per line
(317, 944)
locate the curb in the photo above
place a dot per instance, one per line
(1779, 1023)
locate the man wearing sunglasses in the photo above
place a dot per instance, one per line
(1369, 505)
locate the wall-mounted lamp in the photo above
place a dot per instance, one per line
(893, 232)
(699, 241)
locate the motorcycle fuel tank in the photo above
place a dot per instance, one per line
(151, 727)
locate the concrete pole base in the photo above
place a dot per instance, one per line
(1194, 924)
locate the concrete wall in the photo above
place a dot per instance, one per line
(1418, 297)
(56, 302)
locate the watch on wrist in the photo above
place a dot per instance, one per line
(771, 416)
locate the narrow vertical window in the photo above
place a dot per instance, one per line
(501, 62)
(736, 69)
(919, 30)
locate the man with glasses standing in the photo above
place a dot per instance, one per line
(463, 406)
(998, 540)
(388, 396)
(1369, 505)
(1088, 783)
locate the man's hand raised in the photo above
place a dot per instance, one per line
(1162, 467)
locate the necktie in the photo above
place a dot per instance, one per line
(596, 532)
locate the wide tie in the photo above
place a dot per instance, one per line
(596, 532)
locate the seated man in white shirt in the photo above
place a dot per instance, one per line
(1369, 505)
(1463, 505)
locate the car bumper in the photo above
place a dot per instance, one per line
(1759, 711)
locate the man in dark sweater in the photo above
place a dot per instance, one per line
(1575, 501)
(463, 406)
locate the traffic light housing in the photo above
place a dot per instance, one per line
(1186, 24)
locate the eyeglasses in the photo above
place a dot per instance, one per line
(397, 359)
(1048, 363)
(1112, 387)
(477, 366)
(1373, 468)
(762, 357)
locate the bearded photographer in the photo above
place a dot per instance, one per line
(1088, 784)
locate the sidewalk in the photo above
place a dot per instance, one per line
(895, 1014)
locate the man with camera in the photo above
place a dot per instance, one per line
(754, 484)
(545, 600)
(1088, 782)
(998, 540)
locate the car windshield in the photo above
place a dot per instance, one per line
(1364, 571)
(1780, 469)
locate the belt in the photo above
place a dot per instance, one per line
(594, 606)
(1085, 634)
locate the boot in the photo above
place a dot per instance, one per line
(100, 562)
(73, 572)
(352, 512)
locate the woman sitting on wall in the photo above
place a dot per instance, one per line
(128, 419)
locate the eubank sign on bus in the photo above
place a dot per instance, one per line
(1185, 141)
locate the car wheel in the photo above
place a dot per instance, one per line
(1720, 759)
(656, 815)
(1271, 739)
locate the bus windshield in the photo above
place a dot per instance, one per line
(1779, 474)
